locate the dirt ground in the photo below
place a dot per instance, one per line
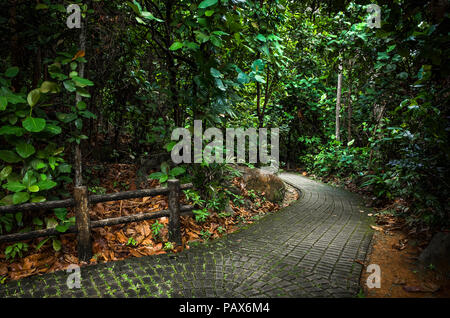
(401, 276)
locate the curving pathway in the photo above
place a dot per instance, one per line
(305, 250)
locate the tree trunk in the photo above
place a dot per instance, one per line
(78, 158)
(338, 103)
(349, 114)
(171, 68)
(258, 101)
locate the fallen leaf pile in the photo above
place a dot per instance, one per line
(135, 239)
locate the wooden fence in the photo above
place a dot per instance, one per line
(83, 224)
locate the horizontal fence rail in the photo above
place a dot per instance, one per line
(84, 225)
(97, 198)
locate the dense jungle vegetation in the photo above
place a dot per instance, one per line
(364, 104)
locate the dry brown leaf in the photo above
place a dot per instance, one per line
(3, 269)
(135, 253)
(158, 246)
(121, 237)
(80, 53)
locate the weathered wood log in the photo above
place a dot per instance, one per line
(133, 194)
(34, 234)
(92, 199)
(97, 198)
(138, 217)
(185, 210)
(83, 223)
(174, 208)
(37, 206)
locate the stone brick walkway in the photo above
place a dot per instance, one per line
(305, 250)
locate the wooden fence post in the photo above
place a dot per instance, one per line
(174, 208)
(83, 223)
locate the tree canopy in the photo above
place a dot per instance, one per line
(135, 70)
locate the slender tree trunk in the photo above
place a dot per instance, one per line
(258, 101)
(171, 68)
(37, 67)
(78, 156)
(338, 103)
(349, 113)
(266, 99)
(16, 52)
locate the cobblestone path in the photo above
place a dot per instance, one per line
(305, 250)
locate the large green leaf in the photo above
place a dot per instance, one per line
(3, 103)
(261, 37)
(156, 175)
(201, 37)
(83, 92)
(135, 6)
(9, 156)
(82, 82)
(38, 164)
(260, 79)
(165, 167)
(34, 124)
(20, 197)
(176, 46)
(56, 245)
(33, 188)
(66, 118)
(215, 40)
(14, 186)
(11, 130)
(149, 16)
(33, 97)
(81, 105)
(177, 171)
(41, 243)
(69, 86)
(49, 87)
(25, 149)
(164, 178)
(53, 129)
(220, 85)
(243, 78)
(5, 172)
(258, 65)
(207, 3)
(46, 184)
(60, 213)
(215, 73)
(38, 199)
(6, 200)
(12, 71)
(192, 45)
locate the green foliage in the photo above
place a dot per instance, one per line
(169, 246)
(334, 158)
(205, 235)
(166, 173)
(16, 249)
(201, 214)
(132, 241)
(156, 228)
(159, 65)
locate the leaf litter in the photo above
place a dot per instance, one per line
(118, 242)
